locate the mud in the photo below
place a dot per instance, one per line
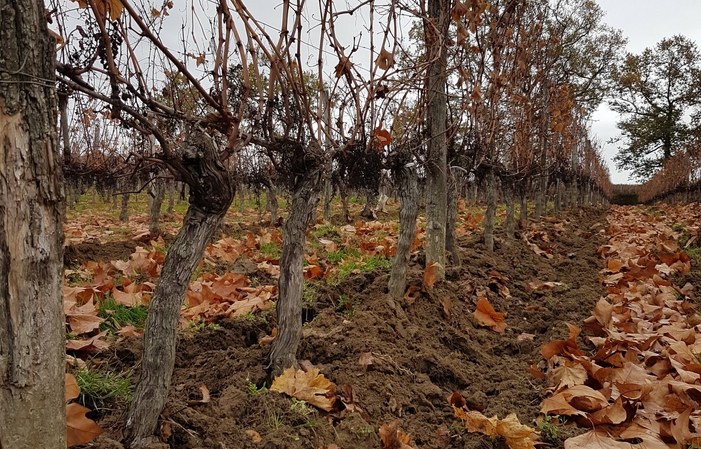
(422, 351)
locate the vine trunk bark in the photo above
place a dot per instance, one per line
(308, 170)
(32, 329)
(407, 180)
(211, 194)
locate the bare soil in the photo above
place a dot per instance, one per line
(421, 353)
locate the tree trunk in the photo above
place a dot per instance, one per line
(369, 209)
(171, 196)
(328, 197)
(523, 210)
(557, 200)
(242, 200)
(124, 209)
(406, 178)
(212, 193)
(436, 31)
(271, 202)
(156, 195)
(32, 329)
(510, 224)
(283, 352)
(343, 190)
(490, 214)
(452, 215)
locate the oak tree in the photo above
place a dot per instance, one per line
(656, 92)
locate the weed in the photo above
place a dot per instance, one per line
(273, 419)
(309, 295)
(117, 315)
(678, 227)
(253, 389)
(100, 388)
(367, 430)
(301, 407)
(194, 326)
(548, 428)
(348, 307)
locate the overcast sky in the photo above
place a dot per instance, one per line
(644, 23)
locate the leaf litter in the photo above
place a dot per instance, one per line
(401, 359)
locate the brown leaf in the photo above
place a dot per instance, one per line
(488, 317)
(200, 59)
(365, 359)
(410, 296)
(268, 339)
(72, 388)
(597, 438)
(542, 286)
(343, 67)
(568, 376)
(430, 277)
(205, 396)
(255, 436)
(381, 138)
(393, 438)
(447, 305)
(79, 428)
(456, 400)
(385, 59)
(311, 387)
(155, 12)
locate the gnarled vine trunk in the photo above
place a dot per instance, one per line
(308, 171)
(211, 194)
(32, 329)
(406, 179)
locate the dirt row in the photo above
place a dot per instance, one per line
(423, 348)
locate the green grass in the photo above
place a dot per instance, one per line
(339, 256)
(270, 250)
(327, 230)
(117, 315)
(99, 389)
(369, 264)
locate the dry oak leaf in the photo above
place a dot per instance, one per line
(79, 428)
(488, 317)
(393, 438)
(311, 387)
(385, 59)
(516, 435)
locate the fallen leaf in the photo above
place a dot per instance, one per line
(488, 317)
(365, 359)
(430, 276)
(79, 428)
(393, 438)
(205, 396)
(309, 386)
(72, 388)
(255, 436)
